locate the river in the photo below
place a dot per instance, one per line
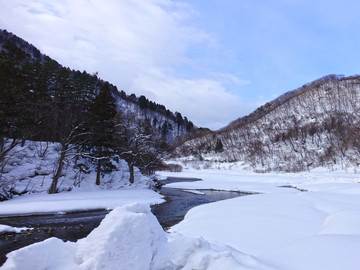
(77, 225)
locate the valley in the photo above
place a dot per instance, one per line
(81, 164)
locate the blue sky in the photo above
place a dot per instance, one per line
(211, 60)
(280, 45)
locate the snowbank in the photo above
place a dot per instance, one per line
(343, 223)
(245, 180)
(76, 201)
(9, 229)
(130, 237)
(284, 227)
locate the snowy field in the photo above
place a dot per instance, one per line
(316, 226)
(283, 227)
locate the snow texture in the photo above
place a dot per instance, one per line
(130, 237)
(316, 226)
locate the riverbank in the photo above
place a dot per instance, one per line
(79, 221)
(297, 221)
(68, 215)
(179, 202)
(44, 203)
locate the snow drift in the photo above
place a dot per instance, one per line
(129, 237)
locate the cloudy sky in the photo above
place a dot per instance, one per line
(211, 60)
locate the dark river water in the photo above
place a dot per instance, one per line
(74, 226)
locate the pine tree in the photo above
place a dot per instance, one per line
(219, 146)
(102, 112)
(69, 118)
(143, 102)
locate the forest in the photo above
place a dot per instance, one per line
(40, 100)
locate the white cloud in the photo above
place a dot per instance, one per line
(141, 46)
(206, 101)
(131, 32)
(149, 46)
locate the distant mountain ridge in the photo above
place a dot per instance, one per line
(314, 125)
(271, 105)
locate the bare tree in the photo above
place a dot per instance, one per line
(135, 144)
(70, 141)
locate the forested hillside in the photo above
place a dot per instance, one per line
(88, 118)
(315, 125)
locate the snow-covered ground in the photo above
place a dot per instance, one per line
(130, 238)
(279, 228)
(30, 169)
(284, 227)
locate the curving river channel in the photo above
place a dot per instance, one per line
(77, 225)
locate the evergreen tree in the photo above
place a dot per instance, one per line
(189, 126)
(102, 113)
(165, 129)
(69, 118)
(143, 102)
(43, 101)
(179, 119)
(219, 146)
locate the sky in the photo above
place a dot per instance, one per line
(213, 61)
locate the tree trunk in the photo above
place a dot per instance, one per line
(98, 169)
(131, 170)
(53, 187)
(5, 149)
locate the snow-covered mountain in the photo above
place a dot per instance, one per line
(314, 125)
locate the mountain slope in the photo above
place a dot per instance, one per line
(92, 128)
(20, 53)
(315, 125)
